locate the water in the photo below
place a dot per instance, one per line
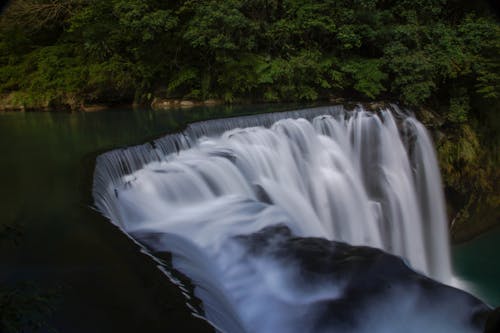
(383, 203)
(47, 162)
(45, 176)
(476, 265)
(356, 177)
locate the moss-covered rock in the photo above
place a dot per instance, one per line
(469, 167)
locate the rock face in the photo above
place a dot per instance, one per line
(379, 292)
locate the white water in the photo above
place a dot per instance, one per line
(358, 177)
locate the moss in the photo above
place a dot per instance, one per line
(22, 100)
(470, 172)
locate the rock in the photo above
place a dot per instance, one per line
(8, 102)
(336, 100)
(493, 322)
(94, 107)
(429, 118)
(187, 104)
(375, 106)
(374, 284)
(213, 102)
(160, 103)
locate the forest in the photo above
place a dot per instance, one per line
(437, 56)
(59, 52)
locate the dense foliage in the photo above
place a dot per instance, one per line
(76, 51)
(439, 54)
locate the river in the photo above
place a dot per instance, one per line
(106, 284)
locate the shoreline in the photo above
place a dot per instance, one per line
(158, 103)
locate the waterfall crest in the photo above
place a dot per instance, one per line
(363, 178)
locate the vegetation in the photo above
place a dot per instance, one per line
(56, 52)
(438, 54)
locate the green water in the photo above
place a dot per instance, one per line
(46, 170)
(107, 285)
(477, 264)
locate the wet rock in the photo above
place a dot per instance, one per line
(373, 283)
(213, 102)
(168, 103)
(94, 107)
(186, 103)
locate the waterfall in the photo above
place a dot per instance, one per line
(357, 177)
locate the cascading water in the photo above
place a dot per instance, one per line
(209, 194)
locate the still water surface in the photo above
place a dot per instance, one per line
(477, 264)
(107, 285)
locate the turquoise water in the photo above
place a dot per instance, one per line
(477, 264)
(107, 285)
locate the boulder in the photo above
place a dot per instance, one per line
(376, 288)
(493, 322)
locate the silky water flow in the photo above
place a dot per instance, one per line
(279, 221)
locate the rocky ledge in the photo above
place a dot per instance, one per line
(166, 103)
(379, 291)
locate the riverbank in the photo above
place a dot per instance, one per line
(21, 102)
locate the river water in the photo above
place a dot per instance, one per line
(106, 285)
